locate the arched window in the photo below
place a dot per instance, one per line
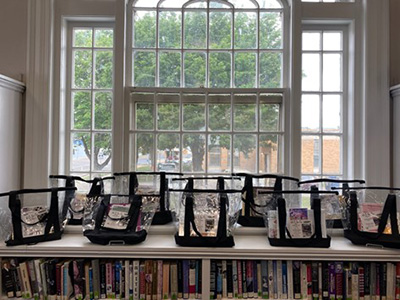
(212, 44)
(207, 77)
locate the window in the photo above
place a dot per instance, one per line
(90, 98)
(323, 95)
(207, 86)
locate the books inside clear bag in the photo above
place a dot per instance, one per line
(298, 220)
(148, 183)
(36, 215)
(335, 205)
(372, 216)
(75, 201)
(252, 210)
(205, 218)
(118, 219)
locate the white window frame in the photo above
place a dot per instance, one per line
(68, 96)
(345, 99)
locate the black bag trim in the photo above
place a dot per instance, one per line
(105, 236)
(320, 180)
(316, 241)
(52, 217)
(389, 211)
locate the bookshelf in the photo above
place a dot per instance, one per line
(251, 243)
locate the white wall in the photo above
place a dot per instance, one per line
(13, 38)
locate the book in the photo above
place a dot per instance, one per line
(159, 279)
(249, 279)
(361, 281)
(199, 282)
(240, 279)
(229, 278)
(244, 279)
(224, 280)
(284, 294)
(259, 279)
(142, 280)
(149, 279)
(67, 290)
(26, 284)
(296, 279)
(103, 288)
(180, 278)
(135, 279)
(6, 278)
(332, 281)
(304, 285)
(219, 280)
(174, 280)
(264, 279)
(339, 280)
(32, 278)
(15, 278)
(155, 280)
(367, 281)
(213, 279)
(166, 279)
(309, 280)
(96, 278)
(314, 280)
(192, 279)
(397, 286)
(78, 278)
(325, 280)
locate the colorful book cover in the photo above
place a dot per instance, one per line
(264, 279)
(240, 279)
(249, 279)
(339, 280)
(284, 280)
(361, 284)
(332, 281)
(142, 281)
(244, 279)
(309, 280)
(219, 279)
(397, 289)
(192, 279)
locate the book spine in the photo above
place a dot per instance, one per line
(325, 281)
(185, 275)
(15, 278)
(86, 270)
(6, 279)
(303, 280)
(373, 281)
(155, 280)
(240, 279)
(180, 279)
(159, 279)
(149, 279)
(192, 279)
(332, 281)
(213, 278)
(33, 280)
(109, 280)
(264, 279)
(91, 290)
(219, 280)
(135, 283)
(296, 279)
(249, 279)
(224, 280)
(314, 280)
(229, 278)
(39, 280)
(117, 278)
(142, 280)
(103, 288)
(384, 281)
(96, 278)
(284, 280)
(279, 278)
(25, 280)
(339, 280)
(244, 279)
(354, 286)
(367, 281)
(174, 280)
(347, 278)
(320, 280)
(199, 287)
(361, 282)
(309, 281)
(165, 279)
(259, 279)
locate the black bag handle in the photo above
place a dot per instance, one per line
(189, 217)
(319, 180)
(266, 176)
(206, 178)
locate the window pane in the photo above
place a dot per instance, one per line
(82, 37)
(215, 4)
(170, 69)
(311, 41)
(103, 110)
(271, 70)
(102, 152)
(144, 116)
(146, 3)
(173, 3)
(269, 117)
(245, 70)
(194, 146)
(332, 72)
(242, 3)
(245, 30)
(82, 66)
(269, 4)
(195, 30)
(103, 69)
(271, 30)
(168, 116)
(219, 160)
(144, 68)
(144, 30)
(169, 29)
(244, 153)
(331, 155)
(82, 108)
(195, 69)
(220, 30)
(270, 153)
(144, 151)
(81, 150)
(310, 113)
(219, 116)
(311, 72)
(167, 151)
(220, 70)
(333, 41)
(331, 118)
(104, 38)
(193, 116)
(244, 118)
(310, 154)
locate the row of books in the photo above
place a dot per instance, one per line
(310, 280)
(64, 279)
